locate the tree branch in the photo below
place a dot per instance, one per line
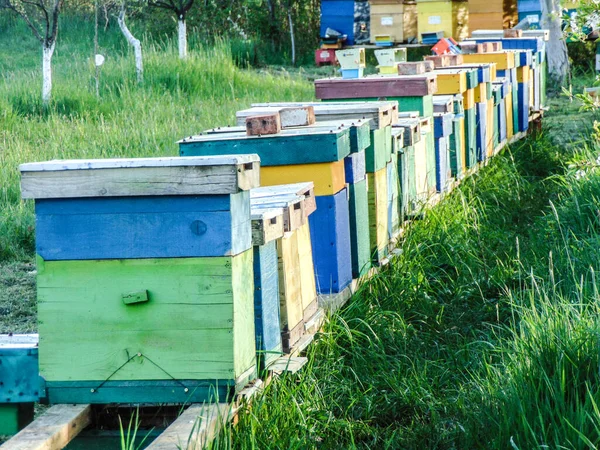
(25, 17)
(55, 13)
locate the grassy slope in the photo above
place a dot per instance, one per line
(483, 332)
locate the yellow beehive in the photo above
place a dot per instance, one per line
(523, 74)
(450, 82)
(490, 127)
(308, 287)
(451, 17)
(387, 21)
(378, 212)
(509, 114)
(503, 60)
(486, 14)
(329, 178)
(480, 92)
(469, 98)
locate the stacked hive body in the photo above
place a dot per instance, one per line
(368, 122)
(538, 67)
(136, 259)
(20, 386)
(492, 14)
(450, 17)
(346, 17)
(412, 163)
(387, 22)
(285, 158)
(286, 299)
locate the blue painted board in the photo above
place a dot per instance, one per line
(330, 236)
(442, 163)
(143, 227)
(338, 15)
(442, 124)
(288, 147)
(355, 167)
(266, 304)
(523, 106)
(526, 57)
(19, 375)
(482, 132)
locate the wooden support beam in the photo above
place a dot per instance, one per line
(53, 430)
(195, 428)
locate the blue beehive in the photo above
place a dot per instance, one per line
(330, 235)
(346, 17)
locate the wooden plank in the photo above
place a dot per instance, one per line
(290, 289)
(290, 116)
(289, 364)
(294, 208)
(359, 228)
(302, 189)
(195, 428)
(138, 177)
(308, 286)
(376, 87)
(53, 430)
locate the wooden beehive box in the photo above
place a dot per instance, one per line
(20, 383)
(165, 260)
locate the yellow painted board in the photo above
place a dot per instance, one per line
(290, 282)
(490, 127)
(388, 70)
(378, 210)
(308, 285)
(451, 83)
(508, 108)
(480, 93)
(523, 74)
(485, 20)
(503, 60)
(387, 19)
(493, 71)
(469, 98)
(329, 178)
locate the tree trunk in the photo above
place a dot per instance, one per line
(96, 48)
(292, 36)
(135, 43)
(556, 48)
(47, 52)
(182, 34)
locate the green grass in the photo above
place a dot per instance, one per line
(176, 100)
(483, 333)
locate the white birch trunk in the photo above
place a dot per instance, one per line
(182, 34)
(136, 44)
(556, 48)
(292, 37)
(47, 52)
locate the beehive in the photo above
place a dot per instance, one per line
(378, 214)
(165, 259)
(442, 132)
(287, 152)
(451, 17)
(407, 163)
(387, 21)
(20, 386)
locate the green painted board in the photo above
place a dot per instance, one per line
(359, 228)
(472, 78)
(422, 104)
(430, 145)
(14, 417)
(197, 325)
(360, 136)
(456, 148)
(376, 155)
(543, 81)
(470, 137)
(286, 148)
(515, 107)
(408, 179)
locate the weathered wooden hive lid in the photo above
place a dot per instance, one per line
(203, 175)
(377, 86)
